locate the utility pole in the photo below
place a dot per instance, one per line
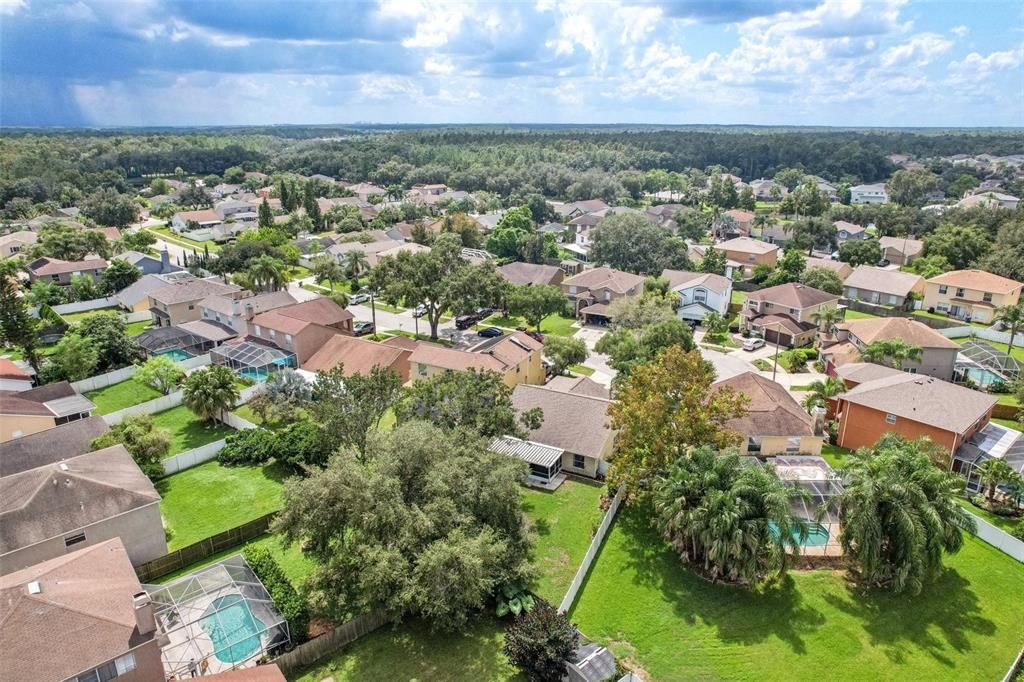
(775, 367)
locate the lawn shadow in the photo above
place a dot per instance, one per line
(895, 623)
(739, 615)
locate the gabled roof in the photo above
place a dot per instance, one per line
(910, 331)
(320, 310)
(772, 411)
(979, 280)
(793, 295)
(740, 215)
(747, 245)
(884, 281)
(836, 266)
(61, 497)
(849, 227)
(356, 356)
(260, 302)
(510, 349)
(605, 278)
(573, 422)
(51, 400)
(908, 247)
(81, 617)
(436, 355)
(52, 445)
(520, 273)
(140, 289)
(678, 279)
(54, 266)
(207, 215)
(579, 385)
(9, 370)
(192, 290)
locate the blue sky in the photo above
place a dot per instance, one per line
(770, 62)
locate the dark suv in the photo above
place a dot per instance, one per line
(467, 321)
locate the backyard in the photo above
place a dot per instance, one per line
(75, 318)
(296, 566)
(659, 616)
(189, 431)
(166, 234)
(119, 396)
(208, 499)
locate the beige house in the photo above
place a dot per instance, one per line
(901, 250)
(592, 290)
(749, 252)
(16, 242)
(848, 339)
(526, 274)
(775, 423)
(784, 314)
(179, 301)
(23, 413)
(890, 288)
(360, 356)
(85, 500)
(970, 294)
(842, 269)
(236, 313)
(303, 328)
(516, 357)
(61, 271)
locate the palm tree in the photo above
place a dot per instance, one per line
(210, 391)
(327, 268)
(899, 513)
(826, 317)
(819, 392)
(1013, 317)
(994, 472)
(891, 352)
(267, 273)
(356, 263)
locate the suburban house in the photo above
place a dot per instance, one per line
(913, 406)
(303, 328)
(842, 269)
(359, 356)
(148, 265)
(970, 294)
(524, 274)
(46, 447)
(700, 293)
(198, 225)
(79, 617)
(237, 312)
(77, 502)
(575, 423)
(178, 302)
(784, 314)
(13, 378)
(135, 297)
(989, 200)
(23, 413)
(749, 252)
(869, 194)
(994, 441)
(61, 271)
(901, 250)
(592, 290)
(848, 231)
(775, 423)
(891, 288)
(766, 190)
(733, 223)
(516, 357)
(16, 242)
(580, 385)
(382, 242)
(848, 339)
(365, 190)
(826, 187)
(576, 208)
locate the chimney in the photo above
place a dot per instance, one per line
(819, 421)
(248, 312)
(144, 618)
(165, 260)
(235, 308)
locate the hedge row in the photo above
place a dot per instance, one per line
(288, 601)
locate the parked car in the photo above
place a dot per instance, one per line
(420, 311)
(883, 263)
(536, 336)
(356, 299)
(490, 332)
(753, 343)
(466, 321)
(362, 328)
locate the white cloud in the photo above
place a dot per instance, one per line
(960, 31)
(8, 7)
(920, 50)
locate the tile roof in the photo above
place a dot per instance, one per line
(573, 422)
(884, 281)
(52, 445)
(747, 245)
(680, 278)
(923, 399)
(911, 331)
(520, 273)
(605, 278)
(192, 290)
(978, 280)
(793, 295)
(83, 615)
(55, 266)
(772, 411)
(355, 356)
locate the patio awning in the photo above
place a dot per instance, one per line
(528, 451)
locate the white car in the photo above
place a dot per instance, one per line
(753, 343)
(356, 299)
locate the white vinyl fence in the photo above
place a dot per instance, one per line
(999, 539)
(193, 457)
(588, 559)
(103, 380)
(164, 402)
(237, 423)
(983, 333)
(82, 306)
(194, 362)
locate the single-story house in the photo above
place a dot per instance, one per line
(901, 250)
(148, 265)
(23, 413)
(892, 288)
(847, 231)
(775, 423)
(77, 502)
(359, 356)
(699, 293)
(61, 271)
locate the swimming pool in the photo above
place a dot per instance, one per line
(175, 354)
(817, 535)
(232, 628)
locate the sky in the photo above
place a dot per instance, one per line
(762, 62)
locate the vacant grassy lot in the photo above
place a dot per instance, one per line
(209, 498)
(187, 430)
(412, 652)
(564, 521)
(119, 396)
(166, 234)
(296, 566)
(815, 625)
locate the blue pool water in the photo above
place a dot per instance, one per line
(232, 628)
(175, 354)
(817, 535)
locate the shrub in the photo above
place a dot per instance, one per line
(248, 448)
(290, 604)
(302, 444)
(540, 641)
(1018, 531)
(148, 444)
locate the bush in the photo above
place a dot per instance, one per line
(290, 604)
(1018, 531)
(250, 447)
(540, 641)
(302, 444)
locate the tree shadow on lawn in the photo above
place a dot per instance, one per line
(898, 623)
(739, 615)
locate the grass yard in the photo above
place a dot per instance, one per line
(298, 272)
(166, 234)
(763, 365)
(582, 369)
(296, 566)
(246, 413)
(386, 307)
(209, 498)
(814, 625)
(564, 521)
(834, 455)
(857, 315)
(1009, 423)
(738, 297)
(119, 396)
(947, 318)
(136, 328)
(189, 431)
(424, 336)
(75, 318)
(554, 324)
(724, 340)
(387, 422)
(411, 651)
(1002, 522)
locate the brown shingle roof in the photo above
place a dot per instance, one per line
(606, 278)
(578, 385)
(884, 281)
(260, 302)
(207, 215)
(434, 355)
(747, 245)
(772, 411)
(912, 332)
(908, 247)
(357, 356)
(979, 280)
(573, 422)
(520, 273)
(508, 350)
(54, 266)
(926, 400)
(319, 310)
(793, 296)
(82, 616)
(33, 402)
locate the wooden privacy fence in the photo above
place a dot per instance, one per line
(204, 549)
(315, 649)
(588, 558)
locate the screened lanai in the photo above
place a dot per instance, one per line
(221, 618)
(822, 485)
(175, 342)
(985, 364)
(251, 360)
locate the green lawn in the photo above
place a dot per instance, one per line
(763, 365)
(738, 297)
(1003, 522)
(1009, 423)
(857, 315)
(166, 234)
(209, 498)
(564, 521)
(298, 272)
(581, 369)
(246, 413)
(412, 651)
(387, 307)
(834, 455)
(296, 566)
(187, 430)
(724, 340)
(814, 625)
(387, 422)
(136, 328)
(75, 318)
(947, 318)
(553, 324)
(119, 396)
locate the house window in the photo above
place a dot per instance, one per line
(272, 333)
(579, 462)
(793, 444)
(259, 332)
(125, 664)
(987, 298)
(910, 370)
(75, 539)
(960, 292)
(890, 419)
(206, 313)
(572, 290)
(607, 295)
(753, 444)
(423, 370)
(943, 288)
(55, 278)
(794, 312)
(191, 306)
(751, 258)
(700, 296)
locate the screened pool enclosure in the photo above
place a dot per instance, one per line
(253, 361)
(220, 618)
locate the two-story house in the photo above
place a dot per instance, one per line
(592, 290)
(869, 194)
(61, 271)
(178, 302)
(303, 328)
(970, 294)
(901, 250)
(844, 344)
(749, 252)
(699, 293)
(891, 288)
(16, 242)
(846, 231)
(516, 357)
(237, 312)
(734, 223)
(774, 422)
(23, 413)
(784, 314)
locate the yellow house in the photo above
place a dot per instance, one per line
(39, 409)
(973, 294)
(516, 357)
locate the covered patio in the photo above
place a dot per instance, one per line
(545, 462)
